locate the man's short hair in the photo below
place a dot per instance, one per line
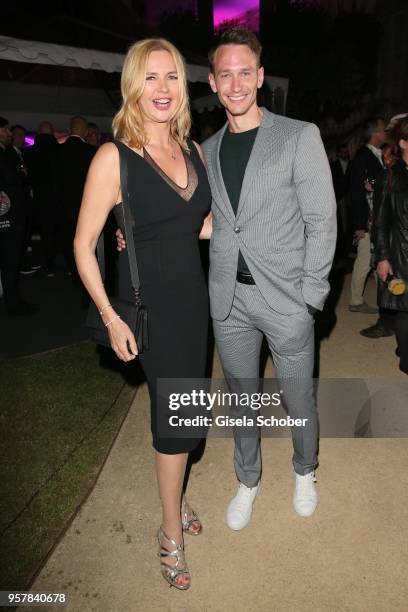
(75, 121)
(370, 126)
(3, 122)
(236, 36)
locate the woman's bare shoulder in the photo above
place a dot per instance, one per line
(107, 154)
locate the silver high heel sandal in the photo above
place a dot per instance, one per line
(188, 522)
(169, 548)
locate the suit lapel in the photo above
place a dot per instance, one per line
(258, 153)
(219, 182)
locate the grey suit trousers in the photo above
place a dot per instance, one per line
(291, 342)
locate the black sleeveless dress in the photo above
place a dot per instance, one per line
(167, 222)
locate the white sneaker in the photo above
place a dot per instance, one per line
(240, 508)
(305, 495)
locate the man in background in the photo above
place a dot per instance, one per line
(12, 226)
(94, 135)
(73, 160)
(41, 164)
(340, 175)
(365, 172)
(16, 152)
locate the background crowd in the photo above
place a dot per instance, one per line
(363, 186)
(44, 184)
(41, 190)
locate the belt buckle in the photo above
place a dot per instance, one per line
(246, 278)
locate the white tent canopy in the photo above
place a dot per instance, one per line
(29, 104)
(35, 52)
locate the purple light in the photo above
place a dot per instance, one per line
(29, 141)
(243, 12)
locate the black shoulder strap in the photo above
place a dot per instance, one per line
(194, 153)
(191, 146)
(124, 218)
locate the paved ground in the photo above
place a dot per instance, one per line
(351, 555)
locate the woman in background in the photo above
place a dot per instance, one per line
(391, 238)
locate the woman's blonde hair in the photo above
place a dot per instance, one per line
(128, 122)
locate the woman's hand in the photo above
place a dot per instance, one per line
(122, 339)
(384, 269)
(121, 242)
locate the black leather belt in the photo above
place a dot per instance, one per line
(246, 278)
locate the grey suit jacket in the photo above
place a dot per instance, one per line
(285, 224)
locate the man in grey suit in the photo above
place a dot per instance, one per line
(271, 250)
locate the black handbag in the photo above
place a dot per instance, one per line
(132, 312)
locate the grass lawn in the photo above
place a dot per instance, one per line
(60, 412)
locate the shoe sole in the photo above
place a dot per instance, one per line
(364, 311)
(376, 337)
(306, 515)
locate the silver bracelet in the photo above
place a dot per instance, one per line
(104, 308)
(112, 320)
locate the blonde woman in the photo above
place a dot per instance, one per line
(170, 200)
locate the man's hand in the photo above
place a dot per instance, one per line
(359, 235)
(384, 269)
(121, 243)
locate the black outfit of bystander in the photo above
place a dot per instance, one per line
(41, 164)
(391, 243)
(341, 179)
(366, 166)
(72, 164)
(341, 183)
(17, 158)
(12, 228)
